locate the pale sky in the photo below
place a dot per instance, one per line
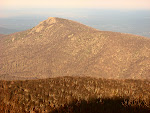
(111, 4)
(9, 8)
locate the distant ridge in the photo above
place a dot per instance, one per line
(1, 34)
(61, 47)
(7, 31)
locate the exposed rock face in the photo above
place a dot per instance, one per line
(60, 47)
(49, 22)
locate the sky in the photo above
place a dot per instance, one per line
(10, 5)
(125, 4)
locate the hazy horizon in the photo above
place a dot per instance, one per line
(130, 16)
(125, 21)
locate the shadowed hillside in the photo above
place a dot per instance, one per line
(63, 47)
(75, 95)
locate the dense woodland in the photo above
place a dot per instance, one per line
(75, 95)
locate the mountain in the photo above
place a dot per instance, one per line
(61, 47)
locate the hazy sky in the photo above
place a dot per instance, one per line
(114, 4)
(8, 7)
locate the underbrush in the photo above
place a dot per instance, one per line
(75, 95)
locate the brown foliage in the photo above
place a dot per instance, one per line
(54, 94)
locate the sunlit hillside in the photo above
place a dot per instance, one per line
(61, 47)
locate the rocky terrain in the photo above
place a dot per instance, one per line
(61, 47)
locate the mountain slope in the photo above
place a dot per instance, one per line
(60, 47)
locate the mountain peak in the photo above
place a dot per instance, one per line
(41, 26)
(54, 22)
(51, 20)
(47, 24)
